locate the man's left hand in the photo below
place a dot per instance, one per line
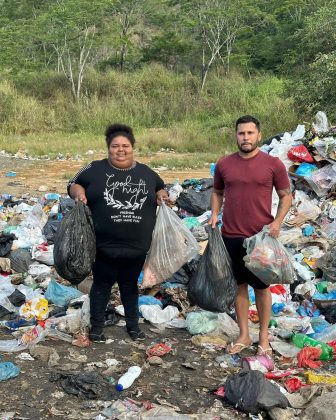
(274, 229)
(161, 195)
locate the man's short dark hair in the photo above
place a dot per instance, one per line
(115, 130)
(248, 119)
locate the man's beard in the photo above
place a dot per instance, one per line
(252, 147)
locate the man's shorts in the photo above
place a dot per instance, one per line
(242, 274)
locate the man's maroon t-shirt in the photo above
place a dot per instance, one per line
(248, 185)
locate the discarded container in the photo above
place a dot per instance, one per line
(262, 363)
(126, 380)
(302, 340)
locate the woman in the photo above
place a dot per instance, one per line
(122, 195)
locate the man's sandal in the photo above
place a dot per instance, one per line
(235, 348)
(264, 352)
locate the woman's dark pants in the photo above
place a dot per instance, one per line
(105, 274)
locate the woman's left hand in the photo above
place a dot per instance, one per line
(161, 195)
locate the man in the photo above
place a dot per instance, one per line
(247, 178)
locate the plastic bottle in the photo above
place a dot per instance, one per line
(322, 286)
(127, 379)
(302, 340)
(327, 335)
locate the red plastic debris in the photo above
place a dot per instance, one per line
(220, 392)
(278, 289)
(300, 154)
(81, 341)
(294, 384)
(277, 374)
(307, 358)
(158, 350)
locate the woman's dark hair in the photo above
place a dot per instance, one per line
(248, 119)
(115, 130)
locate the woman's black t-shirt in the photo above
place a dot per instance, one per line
(123, 206)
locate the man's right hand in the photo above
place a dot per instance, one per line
(213, 220)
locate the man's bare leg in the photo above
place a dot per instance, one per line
(242, 305)
(264, 306)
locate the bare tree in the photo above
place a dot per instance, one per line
(72, 61)
(219, 23)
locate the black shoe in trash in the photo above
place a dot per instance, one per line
(136, 334)
(97, 336)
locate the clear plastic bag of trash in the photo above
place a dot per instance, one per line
(322, 180)
(201, 322)
(268, 259)
(75, 244)
(172, 246)
(43, 253)
(327, 264)
(213, 286)
(156, 315)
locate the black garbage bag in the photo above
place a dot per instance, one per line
(251, 392)
(75, 245)
(16, 298)
(88, 385)
(329, 313)
(50, 229)
(213, 286)
(6, 241)
(65, 205)
(195, 202)
(20, 260)
(184, 274)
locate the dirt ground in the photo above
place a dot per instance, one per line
(36, 177)
(181, 383)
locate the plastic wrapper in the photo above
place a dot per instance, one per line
(75, 244)
(35, 308)
(61, 295)
(8, 370)
(172, 246)
(306, 169)
(213, 286)
(268, 259)
(294, 384)
(300, 154)
(315, 378)
(307, 358)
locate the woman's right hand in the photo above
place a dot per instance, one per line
(81, 197)
(77, 192)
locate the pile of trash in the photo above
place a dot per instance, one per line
(195, 290)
